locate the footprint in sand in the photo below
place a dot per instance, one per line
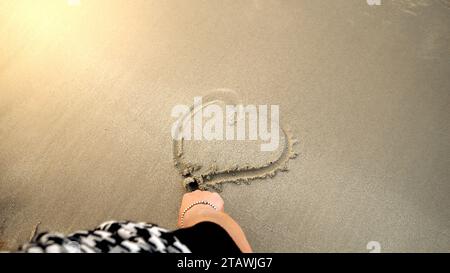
(213, 163)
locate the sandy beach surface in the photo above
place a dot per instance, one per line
(86, 92)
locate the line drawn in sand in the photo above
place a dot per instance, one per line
(213, 178)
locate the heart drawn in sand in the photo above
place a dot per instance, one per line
(211, 163)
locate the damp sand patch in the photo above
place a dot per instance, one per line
(213, 163)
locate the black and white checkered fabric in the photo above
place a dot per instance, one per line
(109, 237)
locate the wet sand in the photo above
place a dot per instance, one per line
(85, 126)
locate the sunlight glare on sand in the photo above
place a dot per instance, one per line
(73, 2)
